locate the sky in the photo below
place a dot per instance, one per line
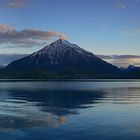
(104, 27)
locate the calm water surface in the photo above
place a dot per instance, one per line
(69, 110)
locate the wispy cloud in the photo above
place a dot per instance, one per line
(25, 38)
(119, 56)
(16, 3)
(133, 32)
(122, 60)
(136, 31)
(6, 28)
(13, 3)
(122, 5)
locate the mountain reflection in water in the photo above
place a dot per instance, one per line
(69, 110)
(23, 108)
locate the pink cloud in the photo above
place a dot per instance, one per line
(16, 3)
(26, 37)
(6, 28)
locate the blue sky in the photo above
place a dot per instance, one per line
(101, 26)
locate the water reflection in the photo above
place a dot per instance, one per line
(71, 111)
(49, 108)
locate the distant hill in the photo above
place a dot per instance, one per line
(133, 72)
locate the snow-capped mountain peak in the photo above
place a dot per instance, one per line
(61, 46)
(61, 55)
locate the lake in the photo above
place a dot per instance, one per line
(70, 110)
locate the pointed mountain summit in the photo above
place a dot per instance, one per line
(62, 55)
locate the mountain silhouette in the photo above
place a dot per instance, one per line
(65, 57)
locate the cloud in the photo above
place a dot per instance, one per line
(11, 37)
(133, 32)
(119, 56)
(6, 28)
(136, 31)
(122, 5)
(15, 3)
(122, 60)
